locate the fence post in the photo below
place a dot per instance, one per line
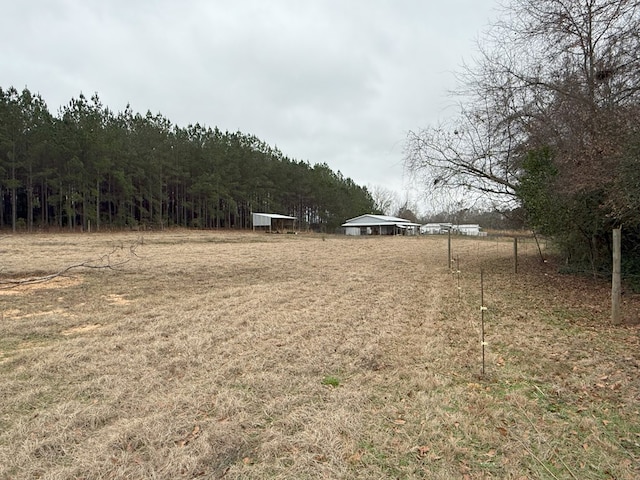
(458, 276)
(615, 278)
(449, 243)
(482, 309)
(515, 254)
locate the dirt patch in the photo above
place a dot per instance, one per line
(81, 329)
(55, 283)
(16, 314)
(117, 299)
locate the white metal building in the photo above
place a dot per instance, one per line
(469, 229)
(435, 228)
(273, 221)
(465, 229)
(370, 224)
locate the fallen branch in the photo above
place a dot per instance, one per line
(105, 262)
(544, 441)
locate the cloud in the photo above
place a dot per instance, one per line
(326, 81)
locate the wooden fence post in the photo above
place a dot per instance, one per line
(483, 343)
(616, 295)
(515, 254)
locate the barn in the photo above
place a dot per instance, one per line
(370, 224)
(271, 222)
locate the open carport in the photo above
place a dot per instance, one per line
(273, 222)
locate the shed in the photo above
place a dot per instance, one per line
(435, 228)
(370, 224)
(273, 221)
(469, 229)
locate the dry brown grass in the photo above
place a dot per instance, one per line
(230, 355)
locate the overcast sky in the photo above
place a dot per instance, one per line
(326, 81)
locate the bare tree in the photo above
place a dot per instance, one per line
(384, 199)
(585, 71)
(466, 154)
(558, 73)
(407, 210)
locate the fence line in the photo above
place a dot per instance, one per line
(516, 248)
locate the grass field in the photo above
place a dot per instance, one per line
(239, 355)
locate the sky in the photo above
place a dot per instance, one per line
(339, 82)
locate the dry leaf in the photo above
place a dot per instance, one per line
(422, 450)
(355, 458)
(183, 442)
(503, 431)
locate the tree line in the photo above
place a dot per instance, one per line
(549, 124)
(88, 168)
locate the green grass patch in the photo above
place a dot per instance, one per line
(331, 380)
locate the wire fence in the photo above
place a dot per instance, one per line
(473, 262)
(500, 254)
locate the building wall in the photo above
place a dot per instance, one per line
(431, 228)
(473, 230)
(261, 220)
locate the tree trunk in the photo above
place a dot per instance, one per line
(616, 317)
(14, 195)
(1, 207)
(97, 205)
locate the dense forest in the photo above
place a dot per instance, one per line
(88, 168)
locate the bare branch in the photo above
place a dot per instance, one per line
(558, 74)
(105, 262)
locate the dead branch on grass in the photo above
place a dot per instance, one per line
(540, 435)
(105, 262)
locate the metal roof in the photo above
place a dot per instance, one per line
(371, 220)
(380, 218)
(275, 215)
